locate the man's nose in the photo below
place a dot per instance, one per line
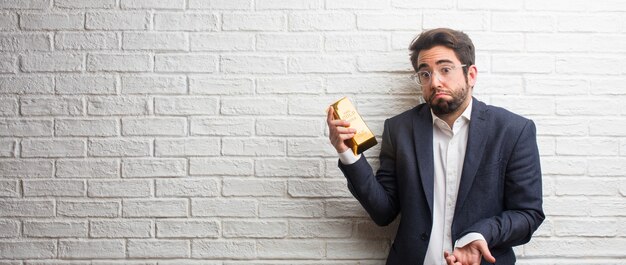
(435, 80)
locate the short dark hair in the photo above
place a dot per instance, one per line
(456, 40)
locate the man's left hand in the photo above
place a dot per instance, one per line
(470, 254)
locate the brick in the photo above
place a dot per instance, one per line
(90, 168)
(150, 248)
(357, 4)
(28, 249)
(209, 85)
(154, 84)
(527, 105)
(498, 41)
(217, 4)
(154, 126)
(254, 229)
(572, 65)
(290, 249)
(119, 62)
(86, 41)
(218, 126)
(156, 41)
(344, 208)
(393, 21)
(253, 21)
(154, 208)
(284, 168)
(119, 147)
(606, 166)
(127, 188)
(187, 228)
(51, 228)
(446, 4)
(192, 105)
(608, 207)
(586, 187)
(562, 127)
(386, 62)
(550, 42)
(525, 22)
(87, 85)
(26, 208)
(185, 22)
(288, 42)
(9, 188)
(607, 127)
(253, 106)
(319, 21)
(242, 64)
(576, 227)
(220, 166)
(498, 85)
(383, 106)
(311, 105)
(575, 107)
(53, 148)
(56, 188)
(253, 147)
(123, 228)
(606, 44)
(587, 23)
(557, 85)
(522, 64)
(321, 64)
(52, 21)
(236, 41)
(151, 167)
(8, 21)
(320, 229)
(151, 4)
(187, 147)
(8, 63)
(23, 168)
(577, 247)
(119, 20)
(30, 106)
(91, 249)
(577, 5)
(356, 42)
(13, 42)
(187, 187)
(88, 208)
(369, 230)
(103, 4)
(9, 228)
(196, 63)
(563, 166)
(57, 62)
(318, 189)
(289, 85)
(26, 85)
(253, 187)
(86, 127)
(491, 5)
(359, 249)
(285, 127)
(8, 106)
(219, 249)
(291, 208)
(223, 207)
(467, 20)
(310, 147)
(290, 5)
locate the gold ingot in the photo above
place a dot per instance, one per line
(363, 138)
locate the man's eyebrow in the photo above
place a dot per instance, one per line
(442, 61)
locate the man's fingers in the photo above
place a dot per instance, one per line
(484, 250)
(329, 114)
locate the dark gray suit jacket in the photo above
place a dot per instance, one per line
(499, 195)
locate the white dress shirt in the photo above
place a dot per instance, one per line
(449, 146)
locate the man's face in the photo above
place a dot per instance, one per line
(448, 88)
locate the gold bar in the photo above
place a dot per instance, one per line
(363, 138)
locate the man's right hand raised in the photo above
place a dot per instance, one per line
(338, 131)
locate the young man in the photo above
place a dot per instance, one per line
(465, 176)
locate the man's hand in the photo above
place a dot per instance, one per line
(338, 131)
(470, 254)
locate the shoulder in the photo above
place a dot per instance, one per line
(500, 117)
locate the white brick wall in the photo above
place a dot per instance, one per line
(192, 131)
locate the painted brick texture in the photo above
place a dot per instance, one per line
(193, 131)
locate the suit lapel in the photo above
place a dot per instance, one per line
(476, 140)
(423, 135)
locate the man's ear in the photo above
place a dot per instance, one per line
(472, 74)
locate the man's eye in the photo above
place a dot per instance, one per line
(424, 74)
(445, 70)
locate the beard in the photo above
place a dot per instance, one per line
(442, 106)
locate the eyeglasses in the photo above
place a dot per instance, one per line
(444, 72)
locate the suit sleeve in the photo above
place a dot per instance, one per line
(522, 196)
(376, 193)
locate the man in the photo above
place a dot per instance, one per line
(465, 176)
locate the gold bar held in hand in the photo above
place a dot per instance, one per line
(363, 138)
